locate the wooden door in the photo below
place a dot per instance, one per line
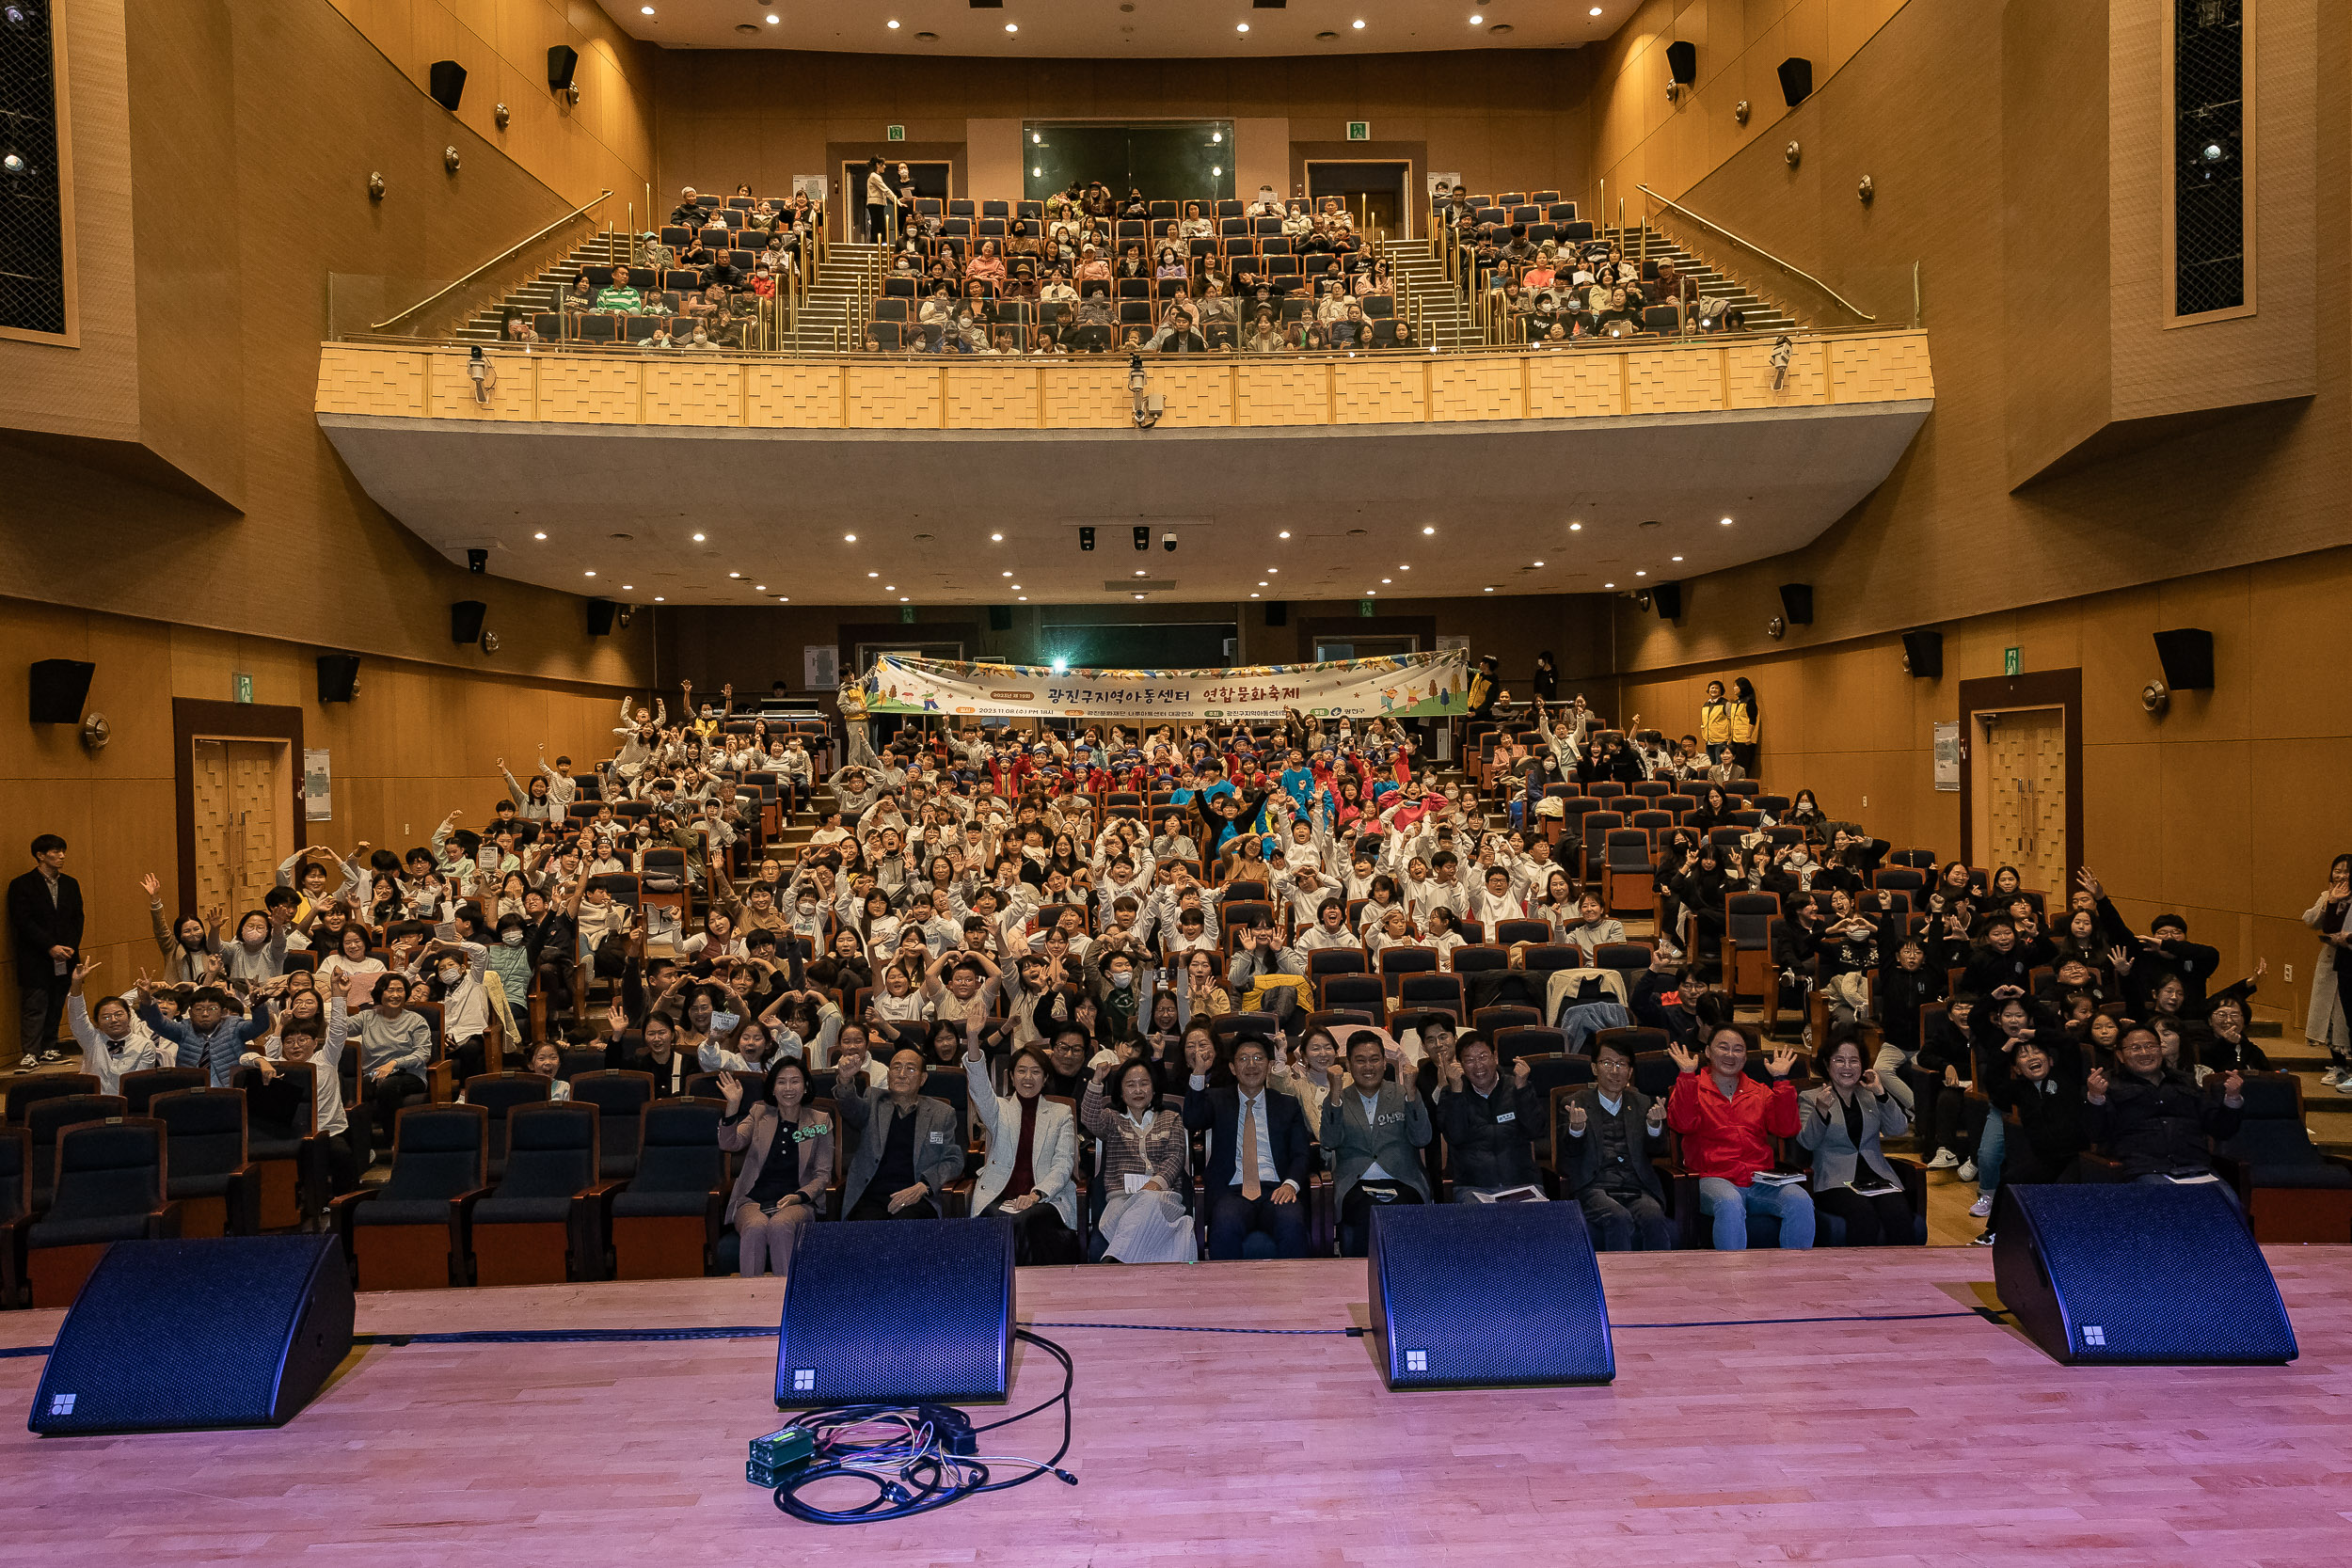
(2022, 791)
(243, 820)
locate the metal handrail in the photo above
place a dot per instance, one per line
(502, 256)
(1786, 267)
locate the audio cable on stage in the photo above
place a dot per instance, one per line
(917, 1458)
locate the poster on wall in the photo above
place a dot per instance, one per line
(318, 785)
(1947, 756)
(811, 186)
(820, 666)
(1404, 685)
(1438, 182)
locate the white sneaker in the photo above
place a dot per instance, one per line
(1944, 1160)
(2333, 1077)
(1983, 1207)
(2344, 1084)
(1967, 1171)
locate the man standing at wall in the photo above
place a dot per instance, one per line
(45, 929)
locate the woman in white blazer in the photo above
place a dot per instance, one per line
(1032, 1157)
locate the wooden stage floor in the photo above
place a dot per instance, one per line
(1922, 1440)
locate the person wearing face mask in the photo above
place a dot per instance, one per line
(113, 1040)
(453, 972)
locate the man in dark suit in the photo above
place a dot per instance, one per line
(45, 931)
(1258, 1144)
(1605, 1161)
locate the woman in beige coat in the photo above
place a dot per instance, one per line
(787, 1161)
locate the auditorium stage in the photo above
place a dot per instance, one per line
(1913, 1437)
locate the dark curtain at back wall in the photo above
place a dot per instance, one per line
(1187, 161)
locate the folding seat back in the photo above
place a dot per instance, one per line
(204, 1131)
(140, 1088)
(618, 1096)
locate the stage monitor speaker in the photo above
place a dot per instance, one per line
(339, 677)
(60, 687)
(1278, 612)
(601, 617)
(258, 1324)
(563, 59)
(1667, 596)
(1682, 59)
(2120, 1273)
(1000, 617)
(898, 1312)
(2187, 659)
(449, 83)
(1796, 603)
(465, 620)
(1796, 79)
(1487, 1295)
(1923, 653)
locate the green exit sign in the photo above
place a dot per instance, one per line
(2008, 662)
(895, 133)
(240, 688)
(906, 613)
(1363, 608)
(1359, 130)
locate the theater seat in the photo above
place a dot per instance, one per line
(2291, 1191)
(545, 1222)
(667, 1222)
(218, 1191)
(112, 1186)
(397, 1236)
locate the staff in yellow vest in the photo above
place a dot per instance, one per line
(1747, 724)
(1714, 720)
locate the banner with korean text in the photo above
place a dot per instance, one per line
(1406, 686)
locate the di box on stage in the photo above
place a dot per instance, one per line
(2123, 1274)
(231, 1331)
(898, 1312)
(1488, 1295)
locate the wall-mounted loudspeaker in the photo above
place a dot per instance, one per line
(2187, 658)
(601, 617)
(1000, 617)
(339, 677)
(1682, 59)
(449, 83)
(1278, 612)
(1923, 653)
(465, 621)
(1796, 79)
(1667, 596)
(563, 59)
(59, 688)
(1796, 603)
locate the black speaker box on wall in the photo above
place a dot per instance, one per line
(1923, 653)
(60, 687)
(563, 59)
(898, 1312)
(1682, 59)
(258, 1323)
(1278, 612)
(601, 617)
(1667, 596)
(465, 620)
(339, 677)
(1796, 603)
(1796, 79)
(2120, 1273)
(2187, 659)
(449, 83)
(1487, 1295)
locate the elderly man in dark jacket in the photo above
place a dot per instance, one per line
(909, 1145)
(2153, 1120)
(1612, 1131)
(1489, 1125)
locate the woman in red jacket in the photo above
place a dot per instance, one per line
(1726, 1121)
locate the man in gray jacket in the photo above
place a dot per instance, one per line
(1373, 1132)
(908, 1145)
(1613, 1129)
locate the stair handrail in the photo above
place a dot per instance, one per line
(504, 255)
(1786, 266)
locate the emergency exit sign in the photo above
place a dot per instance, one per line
(895, 132)
(2008, 662)
(1363, 608)
(240, 688)
(1359, 130)
(906, 614)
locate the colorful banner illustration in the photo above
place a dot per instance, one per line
(1406, 686)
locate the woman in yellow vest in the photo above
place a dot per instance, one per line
(1715, 721)
(1747, 724)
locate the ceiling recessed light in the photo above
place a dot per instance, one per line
(892, 26)
(1216, 135)
(1012, 26)
(1726, 522)
(1138, 596)
(627, 586)
(784, 599)
(1388, 579)
(1025, 598)
(735, 574)
(1360, 26)
(1219, 171)
(1485, 590)
(1138, 571)
(698, 539)
(995, 538)
(1241, 26)
(759, 587)
(1429, 530)
(540, 535)
(1539, 563)
(902, 599)
(849, 538)
(1609, 585)
(1476, 20)
(1640, 574)
(1406, 567)
(646, 9)
(1594, 11)
(1284, 534)
(1677, 558)
(592, 574)
(1253, 595)
(773, 19)
(890, 587)
(1036, 171)
(1008, 574)
(1576, 528)
(873, 574)
(658, 599)
(1271, 570)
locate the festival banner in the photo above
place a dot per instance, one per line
(1406, 686)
